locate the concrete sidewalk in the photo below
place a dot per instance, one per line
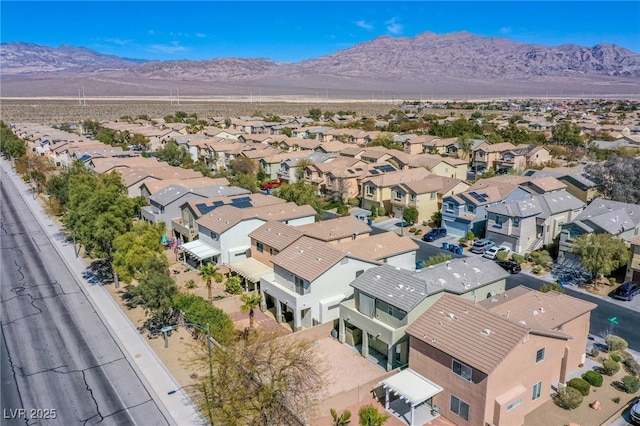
(162, 386)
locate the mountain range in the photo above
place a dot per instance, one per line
(453, 65)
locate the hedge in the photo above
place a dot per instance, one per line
(631, 384)
(615, 343)
(610, 367)
(197, 310)
(580, 385)
(593, 378)
(569, 398)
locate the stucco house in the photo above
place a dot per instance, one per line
(425, 195)
(310, 278)
(290, 169)
(441, 166)
(633, 267)
(337, 230)
(376, 190)
(601, 216)
(526, 225)
(387, 299)
(579, 184)
(496, 360)
(488, 155)
(523, 156)
(387, 247)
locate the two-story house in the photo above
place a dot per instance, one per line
(291, 169)
(376, 190)
(523, 156)
(387, 247)
(310, 278)
(579, 184)
(495, 360)
(633, 267)
(337, 230)
(387, 299)
(487, 156)
(601, 216)
(424, 195)
(441, 166)
(346, 183)
(526, 225)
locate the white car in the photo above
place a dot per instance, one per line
(493, 251)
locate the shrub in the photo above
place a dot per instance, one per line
(552, 287)
(413, 229)
(595, 351)
(502, 255)
(518, 258)
(610, 367)
(197, 310)
(382, 211)
(630, 364)
(580, 385)
(374, 211)
(616, 399)
(234, 285)
(612, 281)
(616, 356)
(593, 378)
(469, 236)
(425, 223)
(536, 269)
(190, 284)
(569, 398)
(615, 343)
(419, 232)
(434, 260)
(630, 384)
(342, 210)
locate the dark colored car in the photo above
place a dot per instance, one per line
(634, 412)
(510, 266)
(627, 291)
(434, 234)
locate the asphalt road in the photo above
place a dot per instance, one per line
(628, 319)
(60, 365)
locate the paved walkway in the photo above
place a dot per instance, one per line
(174, 402)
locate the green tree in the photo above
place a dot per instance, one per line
(464, 146)
(370, 416)
(600, 253)
(10, 143)
(247, 181)
(340, 419)
(172, 153)
(301, 194)
(315, 114)
(233, 285)
(551, 287)
(242, 164)
(155, 290)
(135, 249)
(249, 303)
(209, 272)
(410, 214)
(567, 134)
(199, 311)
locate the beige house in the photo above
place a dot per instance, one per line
(270, 239)
(376, 190)
(425, 195)
(336, 231)
(633, 267)
(387, 247)
(523, 156)
(488, 155)
(441, 166)
(495, 360)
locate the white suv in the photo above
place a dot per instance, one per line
(492, 252)
(480, 246)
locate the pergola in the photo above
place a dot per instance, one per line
(411, 387)
(199, 250)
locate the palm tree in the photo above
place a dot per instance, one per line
(341, 420)
(251, 301)
(369, 416)
(209, 272)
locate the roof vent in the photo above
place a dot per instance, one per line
(522, 322)
(377, 277)
(300, 251)
(319, 259)
(450, 315)
(486, 331)
(541, 309)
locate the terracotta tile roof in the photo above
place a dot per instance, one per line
(497, 147)
(157, 185)
(547, 184)
(276, 234)
(335, 229)
(432, 183)
(468, 333)
(378, 247)
(635, 241)
(103, 165)
(394, 178)
(257, 200)
(535, 310)
(308, 258)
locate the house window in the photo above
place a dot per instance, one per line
(259, 247)
(471, 209)
(537, 389)
(516, 221)
(213, 235)
(514, 404)
(369, 190)
(300, 286)
(540, 355)
(397, 195)
(433, 195)
(273, 251)
(450, 207)
(461, 370)
(390, 310)
(499, 222)
(332, 180)
(413, 197)
(459, 407)
(307, 174)
(366, 305)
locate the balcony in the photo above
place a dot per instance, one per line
(183, 228)
(151, 214)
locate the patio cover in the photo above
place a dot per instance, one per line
(199, 250)
(250, 269)
(411, 386)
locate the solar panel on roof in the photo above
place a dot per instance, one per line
(217, 204)
(242, 203)
(203, 208)
(374, 172)
(359, 169)
(385, 168)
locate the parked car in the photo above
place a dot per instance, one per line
(434, 234)
(492, 252)
(479, 246)
(627, 291)
(510, 266)
(634, 412)
(271, 184)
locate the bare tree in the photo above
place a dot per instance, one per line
(262, 381)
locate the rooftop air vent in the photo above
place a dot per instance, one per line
(450, 315)
(486, 331)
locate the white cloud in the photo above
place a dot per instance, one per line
(393, 27)
(118, 41)
(174, 47)
(364, 25)
(200, 35)
(505, 30)
(152, 32)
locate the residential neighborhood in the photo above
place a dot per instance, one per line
(315, 228)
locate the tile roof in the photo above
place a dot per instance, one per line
(498, 147)
(276, 234)
(378, 247)
(308, 258)
(468, 333)
(256, 200)
(335, 229)
(535, 310)
(394, 178)
(609, 216)
(191, 183)
(432, 183)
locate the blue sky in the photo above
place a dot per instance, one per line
(291, 31)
